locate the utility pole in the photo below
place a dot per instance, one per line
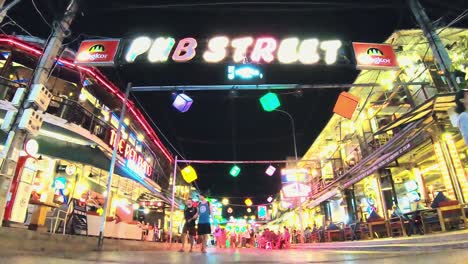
(16, 136)
(438, 49)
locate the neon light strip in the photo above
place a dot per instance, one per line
(103, 81)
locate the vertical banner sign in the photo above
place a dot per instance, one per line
(375, 56)
(78, 221)
(97, 52)
(262, 212)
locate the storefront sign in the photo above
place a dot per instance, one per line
(294, 175)
(97, 52)
(262, 212)
(70, 169)
(135, 161)
(31, 147)
(295, 190)
(220, 48)
(21, 202)
(374, 56)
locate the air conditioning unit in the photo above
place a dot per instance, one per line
(8, 120)
(31, 121)
(40, 96)
(19, 95)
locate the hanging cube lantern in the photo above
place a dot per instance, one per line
(248, 202)
(270, 170)
(270, 199)
(182, 102)
(270, 102)
(346, 105)
(189, 174)
(235, 170)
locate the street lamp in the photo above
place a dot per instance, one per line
(293, 129)
(298, 201)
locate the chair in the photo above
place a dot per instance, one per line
(57, 216)
(331, 235)
(348, 233)
(429, 219)
(360, 231)
(396, 227)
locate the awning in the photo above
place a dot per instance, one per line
(438, 103)
(88, 155)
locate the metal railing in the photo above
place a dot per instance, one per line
(74, 112)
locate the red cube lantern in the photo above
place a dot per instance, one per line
(346, 105)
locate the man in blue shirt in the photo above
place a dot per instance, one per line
(204, 225)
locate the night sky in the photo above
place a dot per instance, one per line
(226, 125)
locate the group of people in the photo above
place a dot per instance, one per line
(271, 240)
(191, 214)
(224, 238)
(234, 239)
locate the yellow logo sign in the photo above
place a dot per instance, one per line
(374, 52)
(96, 48)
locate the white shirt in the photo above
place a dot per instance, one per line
(463, 126)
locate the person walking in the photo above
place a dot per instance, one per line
(190, 215)
(204, 226)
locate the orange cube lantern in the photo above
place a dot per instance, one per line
(346, 105)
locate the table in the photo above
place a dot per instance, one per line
(378, 223)
(38, 216)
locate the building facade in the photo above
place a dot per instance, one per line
(401, 147)
(75, 144)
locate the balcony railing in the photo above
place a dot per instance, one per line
(75, 113)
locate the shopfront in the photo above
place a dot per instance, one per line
(74, 146)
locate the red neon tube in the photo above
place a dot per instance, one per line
(103, 81)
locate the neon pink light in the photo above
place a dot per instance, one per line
(264, 48)
(103, 81)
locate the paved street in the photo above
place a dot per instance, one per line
(243, 256)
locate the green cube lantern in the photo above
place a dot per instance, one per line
(235, 170)
(270, 102)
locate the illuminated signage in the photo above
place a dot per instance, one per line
(220, 48)
(375, 56)
(97, 52)
(262, 212)
(294, 175)
(295, 190)
(245, 72)
(134, 161)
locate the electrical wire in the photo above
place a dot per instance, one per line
(301, 6)
(16, 24)
(40, 14)
(156, 126)
(457, 19)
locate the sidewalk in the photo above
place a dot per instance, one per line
(14, 239)
(448, 240)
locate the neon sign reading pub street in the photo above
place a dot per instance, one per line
(257, 50)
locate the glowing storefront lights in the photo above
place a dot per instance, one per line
(444, 170)
(459, 170)
(243, 49)
(101, 80)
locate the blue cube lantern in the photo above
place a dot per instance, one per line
(182, 102)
